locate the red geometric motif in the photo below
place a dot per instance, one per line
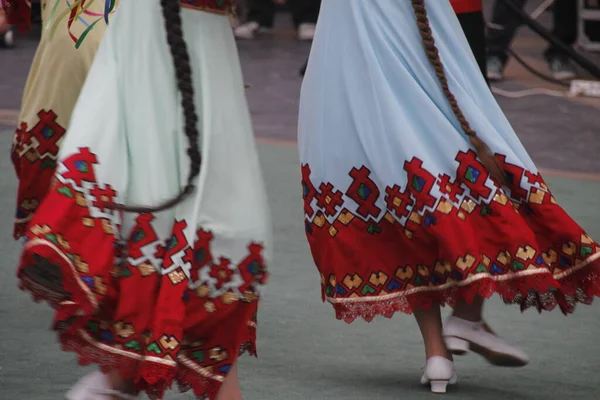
(253, 267)
(514, 174)
(420, 183)
(472, 174)
(531, 252)
(329, 199)
(535, 178)
(308, 191)
(104, 197)
(117, 323)
(47, 133)
(450, 189)
(521, 245)
(80, 167)
(364, 192)
(176, 243)
(142, 235)
(222, 272)
(34, 154)
(200, 255)
(398, 201)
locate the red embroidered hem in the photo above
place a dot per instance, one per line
(156, 379)
(529, 291)
(201, 362)
(150, 377)
(437, 239)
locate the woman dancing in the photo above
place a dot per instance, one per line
(418, 193)
(152, 242)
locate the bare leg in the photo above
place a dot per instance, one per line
(230, 390)
(470, 312)
(3, 24)
(430, 324)
(120, 384)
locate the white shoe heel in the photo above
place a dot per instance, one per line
(480, 339)
(439, 386)
(456, 345)
(438, 374)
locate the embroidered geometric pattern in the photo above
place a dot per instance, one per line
(424, 194)
(174, 257)
(167, 289)
(440, 238)
(34, 153)
(409, 277)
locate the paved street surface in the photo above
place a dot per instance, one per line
(305, 354)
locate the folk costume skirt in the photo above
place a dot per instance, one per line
(167, 296)
(399, 212)
(70, 39)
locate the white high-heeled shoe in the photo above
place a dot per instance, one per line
(462, 336)
(95, 386)
(438, 373)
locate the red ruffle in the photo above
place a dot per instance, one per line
(535, 291)
(151, 321)
(150, 377)
(438, 239)
(153, 379)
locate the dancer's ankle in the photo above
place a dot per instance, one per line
(438, 350)
(471, 317)
(120, 385)
(471, 312)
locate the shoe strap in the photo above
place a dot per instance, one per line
(470, 324)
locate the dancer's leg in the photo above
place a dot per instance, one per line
(471, 312)
(430, 324)
(230, 390)
(121, 385)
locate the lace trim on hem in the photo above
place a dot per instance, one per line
(539, 291)
(152, 378)
(152, 375)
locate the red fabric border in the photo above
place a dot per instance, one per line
(466, 6)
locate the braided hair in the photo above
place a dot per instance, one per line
(171, 10)
(484, 153)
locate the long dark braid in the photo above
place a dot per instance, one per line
(483, 151)
(183, 72)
